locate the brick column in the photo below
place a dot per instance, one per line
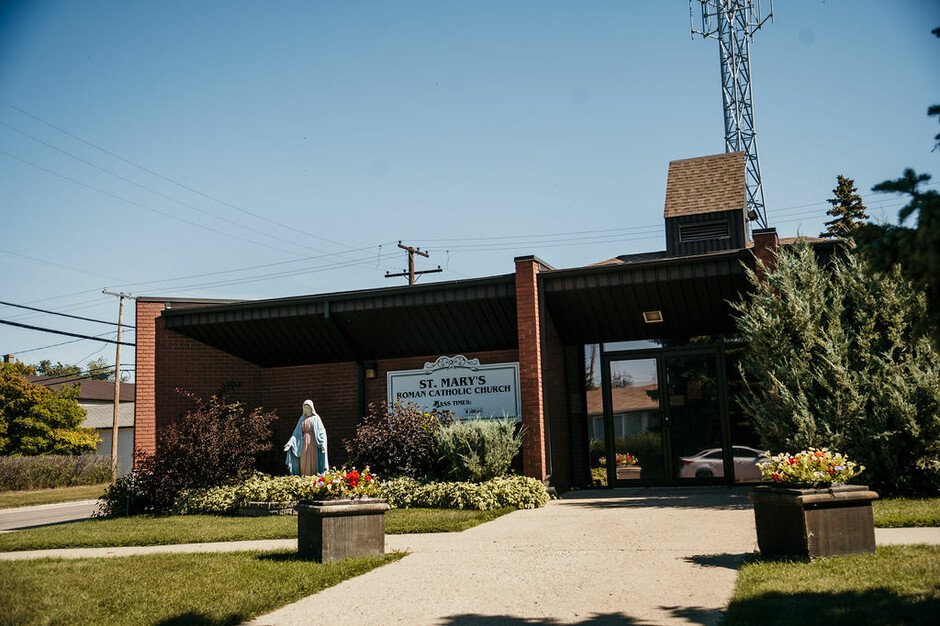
(765, 249)
(528, 324)
(145, 407)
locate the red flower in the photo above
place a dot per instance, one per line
(353, 478)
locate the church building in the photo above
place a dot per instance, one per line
(620, 372)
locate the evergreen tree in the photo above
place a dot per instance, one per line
(916, 250)
(847, 209)
(835, 358)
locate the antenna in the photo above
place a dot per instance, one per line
(733, 23)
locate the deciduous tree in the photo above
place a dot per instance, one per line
(35, 420)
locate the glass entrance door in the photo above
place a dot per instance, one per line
(634, 421)
(663, 418)
(693, 422)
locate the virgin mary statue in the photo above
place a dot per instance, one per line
(306, 449)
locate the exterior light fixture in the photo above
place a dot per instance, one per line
(651, 317)
(370, 370)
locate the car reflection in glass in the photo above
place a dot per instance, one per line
(710, 464)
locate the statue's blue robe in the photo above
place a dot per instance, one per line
(296, 443)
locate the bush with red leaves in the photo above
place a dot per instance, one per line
(217, 443)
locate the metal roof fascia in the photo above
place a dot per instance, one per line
(603, 275)
(216, 312)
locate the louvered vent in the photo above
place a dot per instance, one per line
(704, 231)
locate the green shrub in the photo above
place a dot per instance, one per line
(397, 440)
(479, 449)
(516, 491)
(18, 473)
(125, 496)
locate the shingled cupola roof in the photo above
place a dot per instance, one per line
(708, 184)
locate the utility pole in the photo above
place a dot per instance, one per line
(117, 383)
(410, 272)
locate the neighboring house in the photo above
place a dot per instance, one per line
(97, 398)
(634, 410)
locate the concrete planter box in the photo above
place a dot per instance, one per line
(332, 530)
(807, 522)
(628, 472)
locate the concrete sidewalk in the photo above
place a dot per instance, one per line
(666, 556)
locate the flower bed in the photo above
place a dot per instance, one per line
(811, 467)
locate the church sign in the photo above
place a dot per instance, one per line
(460, 385)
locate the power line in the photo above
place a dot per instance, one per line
(58, 265)
(170, 180)
(77, 317)
(141, 205)
(244, 269)
(89, 375)
(144, 187)
(61, 332)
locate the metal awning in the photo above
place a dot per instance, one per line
(437, 318)
(588, 304)
(606, 303)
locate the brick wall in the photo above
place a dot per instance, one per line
(553, 376)
(334, 390)
(765, 249)
(144, 402)
(168, 362)
(577, 419)
(530, 367)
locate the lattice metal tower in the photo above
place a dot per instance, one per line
(733, 23)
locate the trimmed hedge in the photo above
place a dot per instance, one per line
(21, 473)
(515, 491)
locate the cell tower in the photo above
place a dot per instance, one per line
(733, 23)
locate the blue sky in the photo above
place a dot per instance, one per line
(165, 148)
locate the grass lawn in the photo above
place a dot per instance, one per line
(227, 588)
(10, 499)
(896, 585)
(906, 512)
(146, 530)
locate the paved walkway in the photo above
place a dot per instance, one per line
(626, 557)
(17, 518)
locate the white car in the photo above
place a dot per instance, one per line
(710, 464)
